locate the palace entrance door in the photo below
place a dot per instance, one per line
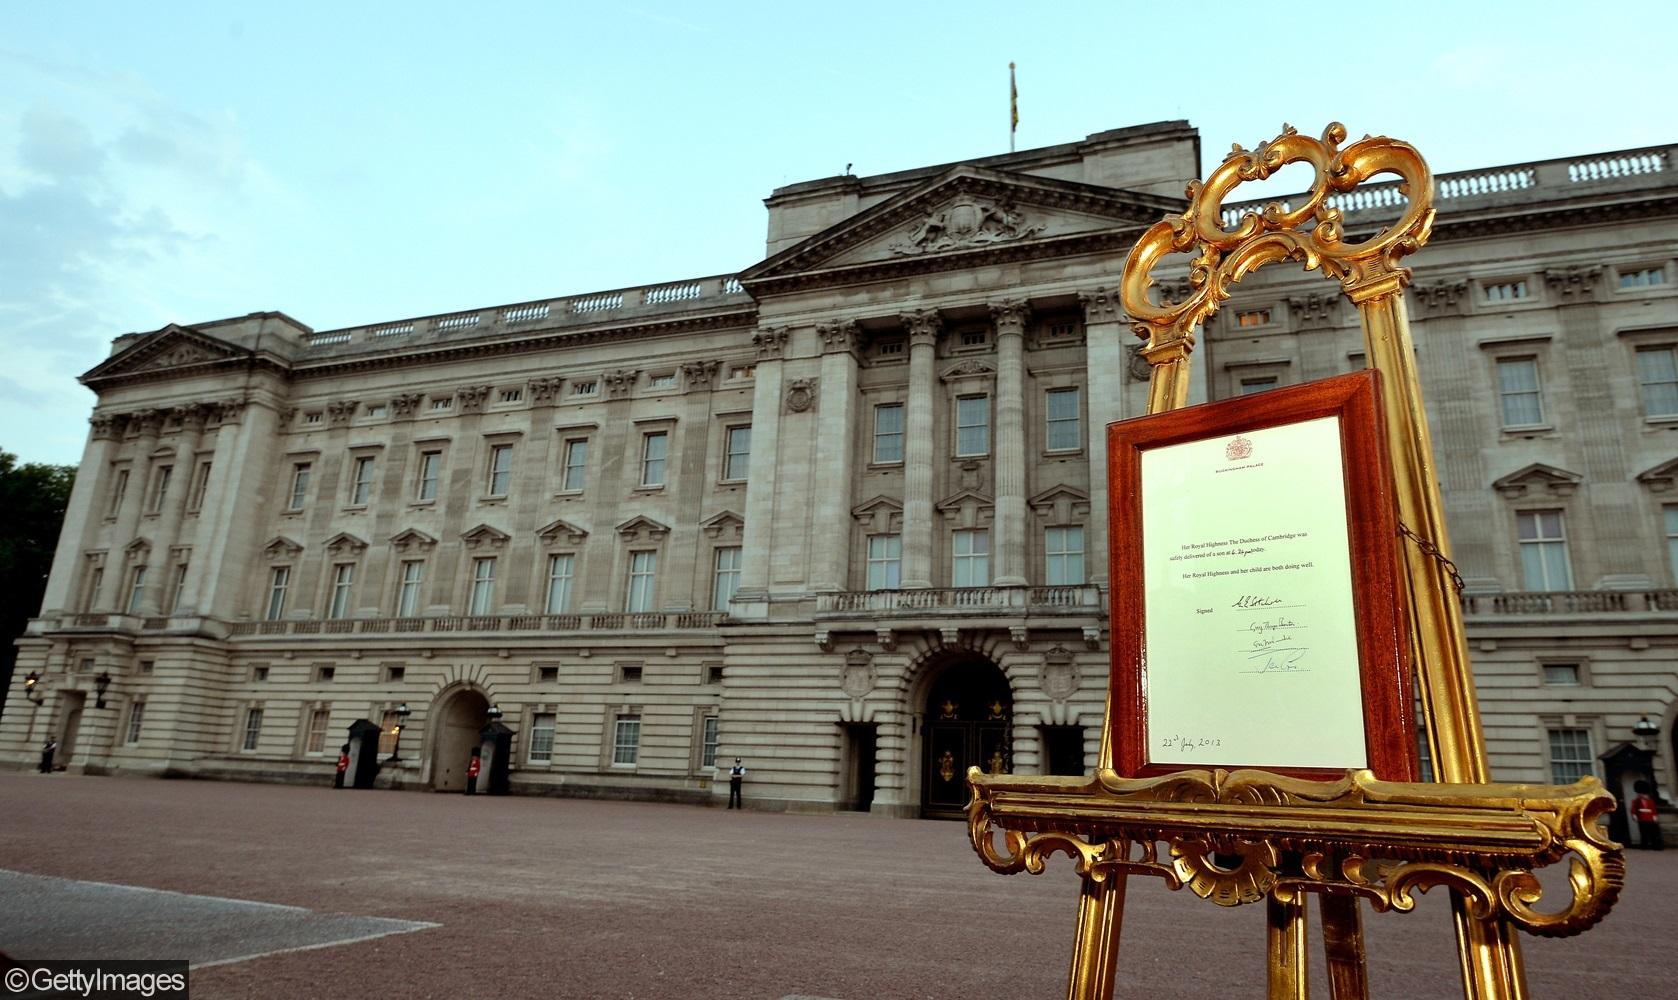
(967, 716)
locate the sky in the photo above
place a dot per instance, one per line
(348, 163)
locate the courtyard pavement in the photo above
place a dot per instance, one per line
(311, 892)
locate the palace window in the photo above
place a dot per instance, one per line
(1669, 515)
(666, 380)
(588, 387)
(541, 737)
(1543, 544)
(315, 741)
(738, 460)
(1506, 291)
(390, 727)
(654, 448)
(95, 580)
(626, 740)
(725, 578)
(253, 728)
(885, 562)
(1561, 674)
(361, 481)
(343, 583)
(136, 589)
(160, 487)
(576, 464)
(177, 588)
(1642, 277)
(643, 569)
(510, 395)
(972, 426)
(500, 469)
(1517, 388)
(299, 485)
(1253, 317)
(560, 569)
(279, 579)
(1252, 385)
(200, 486)
(430, 467)
(970, 558)
(1063, 550)
(483, 585)
(1061, 412)
(136, 717)
(710, 730)
(408, 590)
(1657, 380)
(888, 433)
(118, 491)
(1571, 755)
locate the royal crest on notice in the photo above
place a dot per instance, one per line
(1238, 448)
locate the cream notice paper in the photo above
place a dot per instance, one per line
(1252, 653)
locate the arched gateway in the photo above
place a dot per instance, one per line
(965, 718)
(459, 715)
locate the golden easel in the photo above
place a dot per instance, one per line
(1239, 837)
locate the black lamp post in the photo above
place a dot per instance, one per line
(1646, 729)
(100, 684)
(32, 687)
(495, 713)
(402, 714)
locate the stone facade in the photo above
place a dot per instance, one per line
(840, 514)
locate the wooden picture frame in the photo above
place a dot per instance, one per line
(1257, 618)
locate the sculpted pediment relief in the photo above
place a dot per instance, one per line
(966, 210)
(562, 531)
(173, 346)
(1538, 479)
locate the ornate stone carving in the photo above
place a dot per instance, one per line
(146, 421)
(971, 368)
(1578, 283)
(641, 528)
(545, 391)
(840, 336)
(965, 223)
(339, 411)
(858, 676)
(472, 398)
(1101, 306)
(923, 326)
(1010, 316)
(885, 638)
(1441, 298)
(801, 394)
(771, 342)
(484, 536)
(1139, 368)
(1314, 310)
(344, 543)
(1020, 636)
(404, 405)
(1060, 674)
(700, 374)
(175, 356)
(562, 531)
(107, 426)
(620, 382)
(411, 538)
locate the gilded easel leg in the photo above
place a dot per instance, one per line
(1286, 916)
(1490, 954)
(1095, 949)
(1348, 977)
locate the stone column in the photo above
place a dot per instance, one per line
(82, 516)
(751, 599)
(119, 565)
(1009, 544)
(835, 455)
(923, 327)
(233, 520)
(159, 591)
(1107, 364)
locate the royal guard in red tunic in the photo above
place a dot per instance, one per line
(472, 770)
(343, 766)
(1647, 814)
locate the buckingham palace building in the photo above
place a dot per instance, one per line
(841, 514)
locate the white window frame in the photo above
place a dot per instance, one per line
(654, 467)
(361, 480)
(1052, 423)
(430, 472)
(136, 588)
(736, 463)
(136, 720)
(279, 581)
(1543, 544)
(710, 737)
(969, 406)
(252, 737)
(343, 590)
(541, 750)
(499, 482)
(970, 557)
(725, 575)
(1063, 565)
(626, 739)
(642, 586)
(1507, 396)
(408, 588)
(562, 568)
(160, 487)
(1562, 766)
(576, 465)
(481, 596)
(895, 439)
(1668, 381)
(119, 490)
(179, 587)
(314, 737)
(300, 475)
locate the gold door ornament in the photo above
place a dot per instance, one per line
(1243, 836)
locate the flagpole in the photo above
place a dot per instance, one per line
(1013, 107)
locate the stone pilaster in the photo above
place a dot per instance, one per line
(231, 521)
(120, 565)
(1009, 544)
(159, 594)
(923, 327)
(751, 600)
(82, 517)
(837, 416)
(1106, 362)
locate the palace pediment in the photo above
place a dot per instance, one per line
(1538, 479)
(172, 348)
(964, 217)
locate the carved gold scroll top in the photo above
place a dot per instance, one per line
(1237, 837)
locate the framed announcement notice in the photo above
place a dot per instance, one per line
(1257, 614)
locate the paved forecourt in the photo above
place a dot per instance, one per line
(316, 892)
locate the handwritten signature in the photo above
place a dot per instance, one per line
(1256, 601)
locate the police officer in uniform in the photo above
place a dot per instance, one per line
(736, 775)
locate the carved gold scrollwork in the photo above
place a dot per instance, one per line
(1235, 837)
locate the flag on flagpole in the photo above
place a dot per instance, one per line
(1013, 108)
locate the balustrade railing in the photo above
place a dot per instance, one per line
(607, 622)
(1085, 599)
(1569, 602)
(586, 308)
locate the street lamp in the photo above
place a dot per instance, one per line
(402, 714)
(495, 713)
(32, 687)
(100, 683)
(1646, 729)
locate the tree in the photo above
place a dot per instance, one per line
(32, 502)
